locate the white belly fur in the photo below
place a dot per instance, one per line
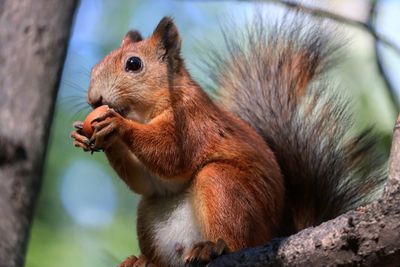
(171, 223)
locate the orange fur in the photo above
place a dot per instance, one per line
(191, 147)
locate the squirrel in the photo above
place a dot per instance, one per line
(270, 156)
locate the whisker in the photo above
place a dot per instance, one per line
(82, 62)
(78, 108)
(73, 106)
(78, 114)
(77, 97)
(83, 71)
(75, 86)
(72, 100)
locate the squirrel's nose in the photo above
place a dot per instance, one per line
(95, 101)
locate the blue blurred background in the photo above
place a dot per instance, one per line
(85, 215)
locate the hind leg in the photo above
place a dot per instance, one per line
(133, 261)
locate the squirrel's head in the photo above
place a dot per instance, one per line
(135, 78)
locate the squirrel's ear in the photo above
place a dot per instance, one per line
(131, 37)
(167, 36)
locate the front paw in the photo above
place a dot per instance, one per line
(80, 140)
(106, 129)
(204, 252)
(133, 261)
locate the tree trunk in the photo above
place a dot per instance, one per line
(34, 36)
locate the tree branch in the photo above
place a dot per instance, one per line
(378, 56)
(367, 236)
(366, 26)
(393, 182)
(326, 14)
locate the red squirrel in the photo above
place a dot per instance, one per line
(269, 158)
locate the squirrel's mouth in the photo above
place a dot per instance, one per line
(121, 110)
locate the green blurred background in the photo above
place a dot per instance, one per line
(85, 215)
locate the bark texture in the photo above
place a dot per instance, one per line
(34, 36)
(368, 236)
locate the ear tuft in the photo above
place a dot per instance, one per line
(167, 35)
(132, 36)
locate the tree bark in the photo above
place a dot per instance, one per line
(367, 236)
(34, 36)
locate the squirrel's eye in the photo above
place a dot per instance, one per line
(133, 64)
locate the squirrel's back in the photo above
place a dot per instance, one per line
(273, 78)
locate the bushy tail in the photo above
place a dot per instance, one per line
(272, 77)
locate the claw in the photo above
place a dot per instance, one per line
(203, 252)
(78, 125)
(79, 137)
(81, 145)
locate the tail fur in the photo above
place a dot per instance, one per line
(273, 78)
